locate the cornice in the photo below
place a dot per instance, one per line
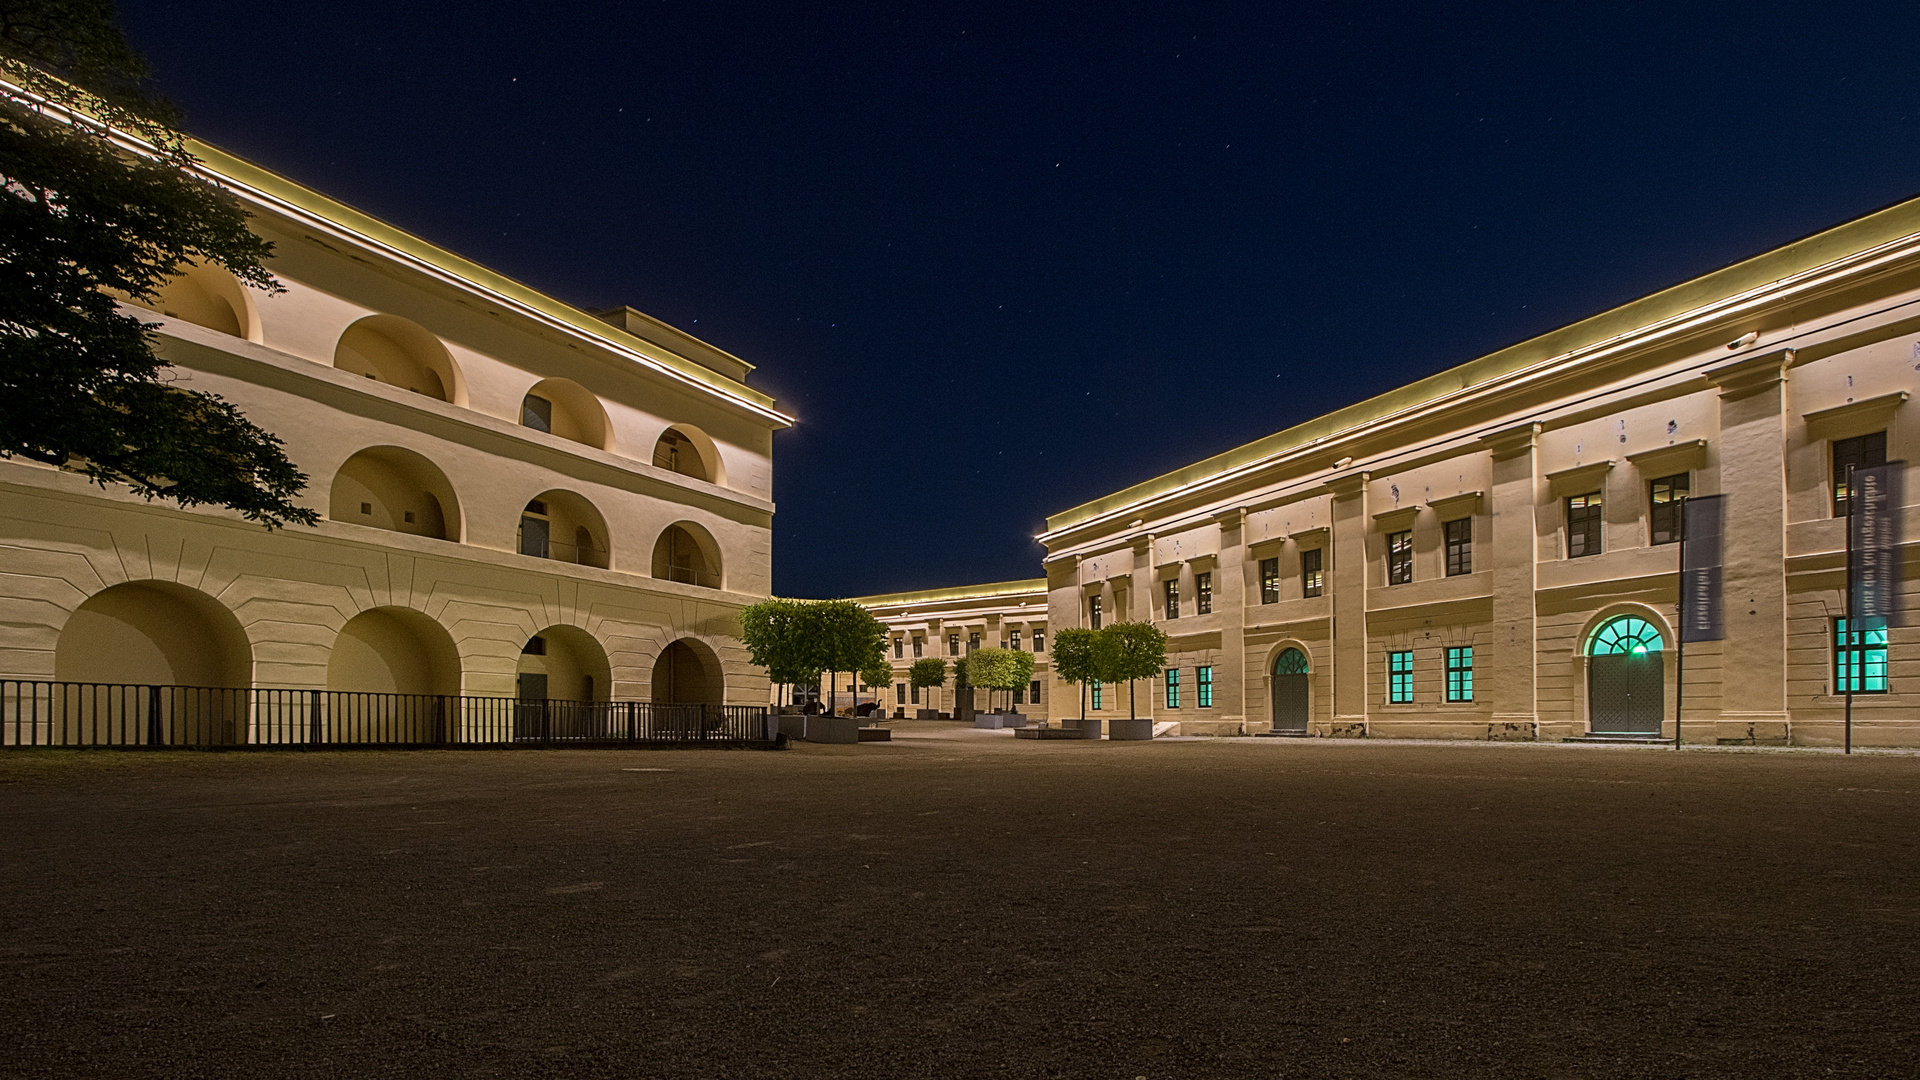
(1873, 408)
(1751, 374)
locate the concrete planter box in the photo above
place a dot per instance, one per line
(1140, 730)
(927, 714)
(792, 725)
(876, 734)
(833, 729)
(989, 721)
(1014, 719)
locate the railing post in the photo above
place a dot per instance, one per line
(315, 730)
(153, 716)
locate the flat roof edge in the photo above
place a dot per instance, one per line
(960, 592)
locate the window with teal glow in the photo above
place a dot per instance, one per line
(1173, 688)
(1860, 665)
(1460, 673)
(1205, 682)
(1400, 677)
(1626, 634)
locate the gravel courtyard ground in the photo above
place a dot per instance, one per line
(959, 904)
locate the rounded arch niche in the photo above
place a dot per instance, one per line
(687, 553)
(565, 527)
(563, 663)
(393, 488)
(153, 632)
(687, 450)
(565, 408)
(208, 296)
(687, 672)
(395, 351)
(393, 650)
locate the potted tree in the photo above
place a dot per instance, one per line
(1073, 661)
(777, 635)
(1004, 670)
(928, 674)
(1128, 651)
(962, 692)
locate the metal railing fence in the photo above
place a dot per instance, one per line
(50, 714)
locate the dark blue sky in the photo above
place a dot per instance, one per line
(1003, 260)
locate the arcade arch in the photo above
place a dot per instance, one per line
(398, 352)
(567, 409)
(687, 450)
(564, 527)
(687, 553)
(181, 642)
(687, 672)
(393, 488)
(393, 650)
(563, 663)
(208, 296)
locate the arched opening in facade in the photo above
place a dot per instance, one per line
(687, 553)
(1292, 692)
(392, 488)
(1626, 677)
(162, 635)
(394, 673)
(565, 408)
(563, 663)
(392, 350)
(687, 450)
(564, 527)
(208, 296)
(688, 673)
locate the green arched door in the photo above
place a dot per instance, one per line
(1626, 678)
(1290, 700)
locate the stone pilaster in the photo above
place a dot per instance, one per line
(1347, 578)
(1230, 608)
(1508, 676)
(1753, 477)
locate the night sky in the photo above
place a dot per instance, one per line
(1000, 261)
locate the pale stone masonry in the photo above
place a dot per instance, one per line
(1557, 457)
(949, 623)
(518, 497)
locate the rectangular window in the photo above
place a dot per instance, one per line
(536, 413)
(899, 646)
(953, 644)
(1093, 612)
(1860, 452)
(919, 644)
(1459, 547)
(1014, 637)
(533, 536)
(1460, 673)
(1203, 593)
(1663, 507)
(1033, 692)
(1583, 525)
(1270, 580)
(1204, 679)
(973, 642)
(1170, 588)
(1400, 557)
(1039, 641)
(1311, 581)
(899, 693)
(1860, 665)
(1095, 688)
(1400, 677)
(1173, 688)
(914, 693)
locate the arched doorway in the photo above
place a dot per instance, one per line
(687, 688)
(392, 677)
(162, 663)
(687, 450)
(562, 683)
(687, 553)
(562, 526)
(1291, 700)
(388, 487)
(1626, 678)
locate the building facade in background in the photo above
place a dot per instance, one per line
(519, 498)
(1491, 552)
(949, 624)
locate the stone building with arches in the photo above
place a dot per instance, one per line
(519, 498)
(1490, 552)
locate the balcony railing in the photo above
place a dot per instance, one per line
(687, 575)
(49, 713)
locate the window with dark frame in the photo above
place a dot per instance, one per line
(1170, 589)
(953, 644)
(1173, 688)
(1203, 593)
(1460, 673)
(1093, 689)
(973, 642)
(1311, 579)
(1203, 679)
(1014, 638)
(1039, 641)
(1663, 507)
(913, 692)
(919, 644)
(1033, 692)
(899, 693)
(899, 647)
(1459, 546)
(1860, 665)
(1583, 525)
(1270, 580)
(1093, 612)
(1859, 452)
(1400, 677)
(1400, 557)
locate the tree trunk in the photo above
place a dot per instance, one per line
(1130, 714)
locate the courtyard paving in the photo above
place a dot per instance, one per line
(961, 904)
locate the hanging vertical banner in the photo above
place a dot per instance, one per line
(1701, 559)
(1878, 494)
